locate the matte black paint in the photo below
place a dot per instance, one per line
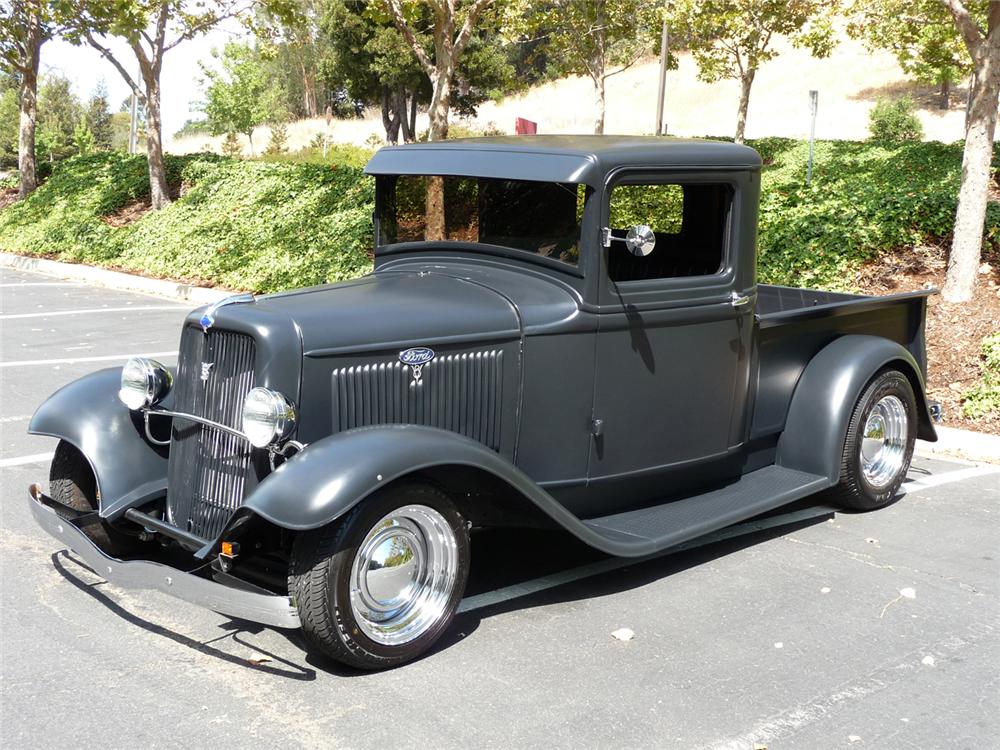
(699, 403)
(87, 414)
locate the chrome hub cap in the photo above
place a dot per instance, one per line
(883, 442)
(403, 575)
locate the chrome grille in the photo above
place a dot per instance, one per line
(457, 392)
(207, 470)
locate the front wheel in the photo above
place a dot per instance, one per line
(73, 484)
(378, 587)
(879, 443)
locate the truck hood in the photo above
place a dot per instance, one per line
(391, 309)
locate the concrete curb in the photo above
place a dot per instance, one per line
(972, 446)
(113, 279)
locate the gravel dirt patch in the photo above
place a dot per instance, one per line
(954, 331)
(8, 196)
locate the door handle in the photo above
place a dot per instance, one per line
(738, 300)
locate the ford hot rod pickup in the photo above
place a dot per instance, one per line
(559, 330)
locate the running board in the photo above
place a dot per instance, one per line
(655, 528)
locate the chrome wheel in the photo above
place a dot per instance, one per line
(883, 442)
(404, 574)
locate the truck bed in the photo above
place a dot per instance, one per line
(794, 324)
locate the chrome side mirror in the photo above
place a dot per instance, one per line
(640, 240)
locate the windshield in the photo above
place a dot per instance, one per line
(542, 218)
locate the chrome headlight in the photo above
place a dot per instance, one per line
(144, 382)
(268, 417)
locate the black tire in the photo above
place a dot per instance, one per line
(854, 490)
(73, 484)
(320, 570)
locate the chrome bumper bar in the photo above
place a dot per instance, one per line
(269, 609)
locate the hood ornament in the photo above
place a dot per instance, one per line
(415, 359)
(208, 317)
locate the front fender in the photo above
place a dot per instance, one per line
(88, 414)
(334, 474)
(824, 399)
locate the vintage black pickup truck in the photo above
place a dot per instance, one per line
(563, 331)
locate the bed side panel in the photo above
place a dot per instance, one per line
(787, 342)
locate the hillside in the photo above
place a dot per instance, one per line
(849, 82)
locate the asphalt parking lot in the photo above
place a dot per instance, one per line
(806, 629)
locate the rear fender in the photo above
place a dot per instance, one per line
(332, 475)
(88, 414)
(824, 399)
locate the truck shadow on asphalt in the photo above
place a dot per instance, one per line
(266, 661)
(502, 558)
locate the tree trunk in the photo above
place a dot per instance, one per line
(596, 69)
(599, 104)
(980, 128)
(158, 191)
(413, 119)
(308, 89)
(390, 116)
(440, 104)
(746, 81)
(27, 171)
(945, 95)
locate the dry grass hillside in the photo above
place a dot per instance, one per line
(849, 82)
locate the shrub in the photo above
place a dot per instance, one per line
(340, 154)
(231, 146)
(278, 143)
(865, 199)
(894, 121)
(984, 398)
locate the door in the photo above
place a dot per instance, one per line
(673, 342)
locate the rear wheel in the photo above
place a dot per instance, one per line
(378, 587)
(879, 443)
(72, 483)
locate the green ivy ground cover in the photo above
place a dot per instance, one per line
(239, 224)
(271, 225)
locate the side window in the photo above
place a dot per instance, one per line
(689, 221)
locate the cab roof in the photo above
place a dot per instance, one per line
(558, 158)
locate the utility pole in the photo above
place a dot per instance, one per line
(664, 47)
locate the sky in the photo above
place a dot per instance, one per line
(179, 81)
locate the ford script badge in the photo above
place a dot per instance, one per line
(415, 359)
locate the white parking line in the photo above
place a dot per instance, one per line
(36, 458)
(53, 313)
(75, 360)
(533, 586)
(41, 283)
(936, 480)
(18, 418)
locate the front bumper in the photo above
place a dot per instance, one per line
(269, 609)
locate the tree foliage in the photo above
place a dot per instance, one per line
(731, 39)
(98, 118)
(239, 97)
(597, 39)
(9, 116)
(151, 28)
(920, 33)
